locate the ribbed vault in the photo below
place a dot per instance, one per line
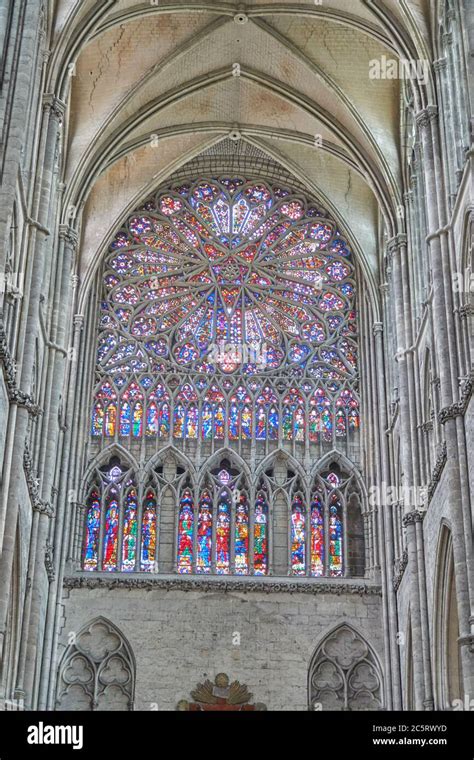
(153, 85)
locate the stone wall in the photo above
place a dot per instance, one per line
(180, 639)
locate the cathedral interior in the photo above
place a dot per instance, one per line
(236, 355)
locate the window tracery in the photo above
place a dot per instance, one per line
(227, 321)
(244, 292)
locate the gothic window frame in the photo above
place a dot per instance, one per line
(333, 272)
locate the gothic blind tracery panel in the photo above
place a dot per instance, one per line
(344, 674)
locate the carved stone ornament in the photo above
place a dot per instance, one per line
(180, 584)
(43, 507)
(400, 570)
(459, 408)
(15, 395)
(220, 696)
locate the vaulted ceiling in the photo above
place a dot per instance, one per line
(151, 85)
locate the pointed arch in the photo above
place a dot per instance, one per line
(447, 673)
(97, 671)
(345, 672)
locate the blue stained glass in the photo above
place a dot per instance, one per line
(204, 537)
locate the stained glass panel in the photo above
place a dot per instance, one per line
(223, 533)
(204, 534)
(111, 532)
(129, 540)
(335, 537)
(298, 537)
(91, 553)
(149, 537)
(260, 560)
(186, 533)
(241, 549)
(317, 537)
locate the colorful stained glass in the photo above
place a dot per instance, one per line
(164, 416)
(298, 537)
(111, 532)
(335, 537)
(185, 533)
(238, 264)
(206, 421)
(152, 419)
(91, 551)
(204, 534)
(260, 424)
(241, 549)
(125, 418)
(148, 547)
(223, 533)
(260, 547)
(317, 537)
(110, 420)
(233, 420)
(219, 422)
(129, 540)
(273, 423)
(178, 424)
(192, 421)
(137, 425)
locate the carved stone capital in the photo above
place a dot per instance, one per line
(467, 310)
(377, 328)
(426, 116)
(53, 104)
(410, 518)
(467, 641)
(69, 235)
(459, 408)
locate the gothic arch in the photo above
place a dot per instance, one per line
(345, 672)
(447, 672)
(279, 455)
(180, 457)
(97, 670)
(234, 459)
(103, 457)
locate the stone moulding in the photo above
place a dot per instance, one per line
(32, 483)
(400, 570)
(171, 583)
(437, 471)
(15, 395)
(460, 407)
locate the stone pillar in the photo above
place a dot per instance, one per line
(66, 501)
(392, 650)
(445, 341)
(38, 254)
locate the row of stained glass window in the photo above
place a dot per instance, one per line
(241, 419)
(139, 550)
(114, 557)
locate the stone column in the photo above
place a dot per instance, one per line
(445, 341)
(392, 650)
(66, 501)
(38, 254)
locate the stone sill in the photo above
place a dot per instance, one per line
(213, 583)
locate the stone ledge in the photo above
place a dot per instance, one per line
(244, 585)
